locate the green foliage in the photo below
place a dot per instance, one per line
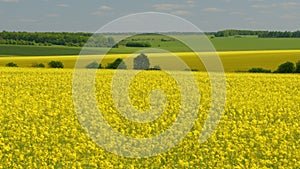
(111, 42)
(259, 70)
(227, 33)
(138, 44)
(141, 62)
(240, 71)
(156, 67)
(98, 40)
(55, 38)
(93, 65)
(40, 65)
(297, 67)
(56, 64)
(117, 64)
(11, 64)
(194, 70)
(287, 67)
(261, 34)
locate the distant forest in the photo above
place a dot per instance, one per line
(99, 40)
(55, 38)
(260, 34)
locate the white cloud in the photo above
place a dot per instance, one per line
(237, 13)
(256, 0)
(212, 10)
(105, 8)
(287, 5)
(97, 13)
(101, 9)
(167, 7)
(191, 3)
(290, 4)
(180, 12)
(26, 20)
(227, 1)
(289, 16)
(53, 15)
(264, 6)
(9, 0)
(63, 5)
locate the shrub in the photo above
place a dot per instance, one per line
(259, 70)
(117, 64)
(11, 64)
(194, 70)
(287, 67)
(297, 67)
(138, 44)
(93, 65)
(156, 67)
(241, 71)
(56, 64)
(38, 65)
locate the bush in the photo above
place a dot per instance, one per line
(241, 71)
(259, 70)
(56, 64)
(93, 65)
(297, 67)
(117, 64)
(156, 67)
(194, 70)
(287, 67)
(138, 44)
(11, 64)
(41, 65)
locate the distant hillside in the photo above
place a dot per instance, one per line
(260, 34)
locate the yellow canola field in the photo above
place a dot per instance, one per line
(232, 60)
(39, 127)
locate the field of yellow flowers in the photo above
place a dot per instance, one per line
(40, 129)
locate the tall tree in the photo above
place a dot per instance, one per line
(141, 62)
(287, 67)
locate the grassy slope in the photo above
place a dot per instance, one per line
(221, 44)
(242, 44)
(15, 50)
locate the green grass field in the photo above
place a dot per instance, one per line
(220, 44)
(16, 50)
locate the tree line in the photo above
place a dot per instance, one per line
(55, 38)
(287, 67)
(260, 34)
(141, 62)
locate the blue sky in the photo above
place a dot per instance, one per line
(90, 15)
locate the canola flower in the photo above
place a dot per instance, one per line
(40, 129)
